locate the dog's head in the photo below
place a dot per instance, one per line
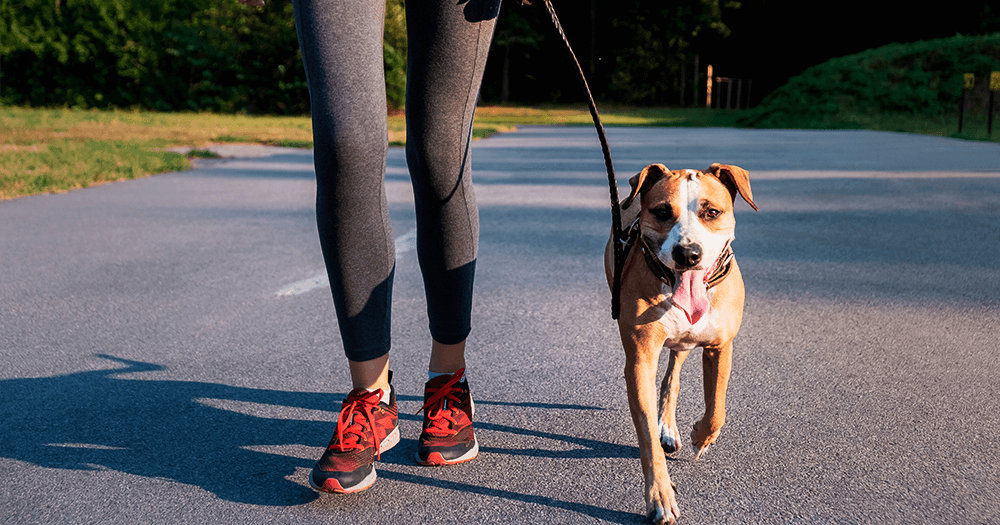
(687, 218)
(688, 214)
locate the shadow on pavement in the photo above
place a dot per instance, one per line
(613, 516)
(98, 420)
(175, 430)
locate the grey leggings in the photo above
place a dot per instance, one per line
(341, 42)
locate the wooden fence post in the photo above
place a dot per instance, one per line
(708, 88)
(994, 87)
(968, 80)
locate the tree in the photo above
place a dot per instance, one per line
(513, 33)
(394, 53)
(651, 41)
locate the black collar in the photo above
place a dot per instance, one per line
(723, 265)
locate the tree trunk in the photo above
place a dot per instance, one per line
(505, 80)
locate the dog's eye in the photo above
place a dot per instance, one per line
(712, 213)
(661, 213)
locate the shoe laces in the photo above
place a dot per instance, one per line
(350, 424)
(439, 411)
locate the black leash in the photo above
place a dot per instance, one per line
(616, 213)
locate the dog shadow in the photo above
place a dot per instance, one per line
(198, 433)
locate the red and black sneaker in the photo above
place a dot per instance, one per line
(366, 427)
(447, 437)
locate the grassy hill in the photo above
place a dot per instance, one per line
(883, 88)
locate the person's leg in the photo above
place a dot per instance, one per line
(341, 42)
(448, 46)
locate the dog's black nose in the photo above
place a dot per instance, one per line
(686, 255)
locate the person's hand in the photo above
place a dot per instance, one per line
(253, 3)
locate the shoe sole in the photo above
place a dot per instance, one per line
(333, 486)
(390, 441)
(435, 459)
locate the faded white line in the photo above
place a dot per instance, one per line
(305, 285)
(92, 446)
(292, 451)
(405, 243)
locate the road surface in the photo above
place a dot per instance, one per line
(169, 352)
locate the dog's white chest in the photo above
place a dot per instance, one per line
(681, 334)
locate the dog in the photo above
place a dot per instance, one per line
(681, 289)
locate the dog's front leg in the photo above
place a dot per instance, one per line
(670, 436)
(717, 363)
(641, 355)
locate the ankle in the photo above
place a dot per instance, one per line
(446, 359)
(370, 375)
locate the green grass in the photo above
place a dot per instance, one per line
(62, 165)
(291, 143)
(974, 126)
(202, 154)
(610, 116)
(54, 150)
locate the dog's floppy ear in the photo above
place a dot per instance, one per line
(642, 181)
(736, 179)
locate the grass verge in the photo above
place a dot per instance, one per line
(52, 150)
(61, 165)
(974, 125)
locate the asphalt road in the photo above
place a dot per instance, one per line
(169, 352)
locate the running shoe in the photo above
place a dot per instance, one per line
(447, 437)
(366, 427)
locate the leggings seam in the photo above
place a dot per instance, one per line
(469, 116)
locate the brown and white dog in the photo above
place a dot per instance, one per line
(680, 289)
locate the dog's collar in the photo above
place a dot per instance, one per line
(721, 269)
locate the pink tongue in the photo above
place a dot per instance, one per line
(691, 295)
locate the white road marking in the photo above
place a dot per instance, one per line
(92, 446)
(405, 243)
(305, 285)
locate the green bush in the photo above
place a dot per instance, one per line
(395, 76)
(918, 79)
(202, 55)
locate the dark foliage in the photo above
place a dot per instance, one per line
(923, 78)
(163, 55)
(218, 55)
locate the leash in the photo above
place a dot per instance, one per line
(618, 241)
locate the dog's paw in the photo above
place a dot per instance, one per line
(703, 435)
(670, 439)
(661, 508)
